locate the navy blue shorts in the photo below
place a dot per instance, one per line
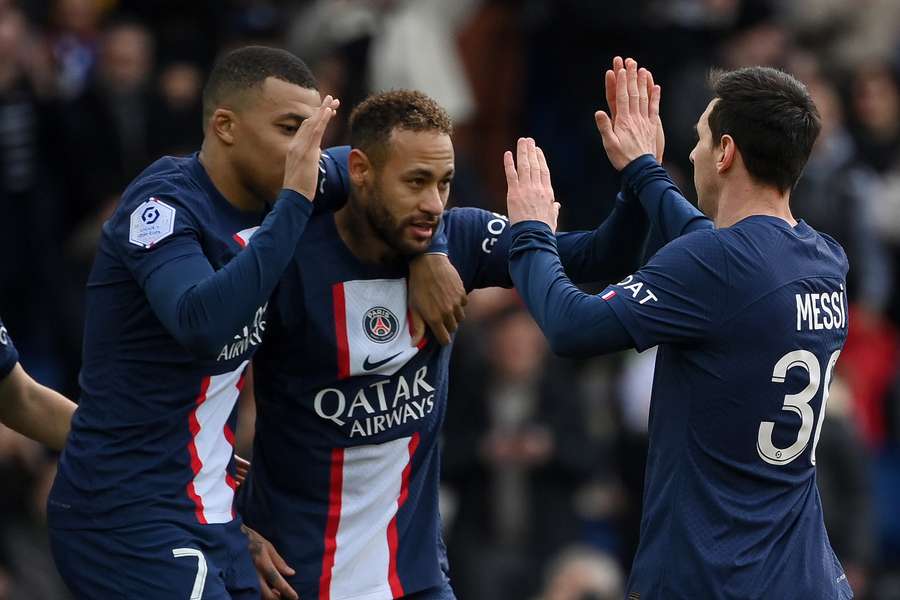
(156, 560)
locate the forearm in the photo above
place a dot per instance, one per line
(670, 213)
(34, 410)
(612, 250)
(203, 308)
(574, 323)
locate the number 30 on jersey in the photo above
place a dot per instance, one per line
(798, 404)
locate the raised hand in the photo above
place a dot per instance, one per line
(301, 166)
(633, 127)
(529, 192)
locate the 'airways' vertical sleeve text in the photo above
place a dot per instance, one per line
(160, 242)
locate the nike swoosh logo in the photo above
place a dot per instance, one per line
(371, 366)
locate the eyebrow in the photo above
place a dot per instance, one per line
(291, 115)
(426, 173)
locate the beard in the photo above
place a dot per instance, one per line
(391, 230)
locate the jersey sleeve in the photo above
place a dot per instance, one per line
(678, 297)
(478, 243)
(670, 213)
(160, 242)
(8, 355)
(575, 323)
(334, 180)
(610, 251)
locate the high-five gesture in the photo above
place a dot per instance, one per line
(301, 167)
(529, 195)
(632, 128)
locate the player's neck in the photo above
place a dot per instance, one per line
(225, 179)
(748, 199)
(360, 237)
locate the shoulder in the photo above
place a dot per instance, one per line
(159, 202)
(472, 219)
(467, 228)
(168, 177)
(832, 250)
(703, 244)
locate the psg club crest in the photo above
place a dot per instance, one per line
(380, 325)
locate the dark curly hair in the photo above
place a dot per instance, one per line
(373, 120)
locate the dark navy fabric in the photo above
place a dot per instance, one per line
(149, 561)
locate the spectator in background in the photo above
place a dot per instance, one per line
(110, 121)
(581, 573)
(837, 192)
(515, 451)
(875, 97)
(29, 199)
(73, 43)
(177, 112)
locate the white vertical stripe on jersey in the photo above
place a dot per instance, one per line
(213, 448)
(359, 298)
(372, 479)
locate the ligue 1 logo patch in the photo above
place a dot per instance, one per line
(152, 221)
(380, 325)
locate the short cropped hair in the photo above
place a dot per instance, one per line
(373, 120)
(249, 67)
(772, 118)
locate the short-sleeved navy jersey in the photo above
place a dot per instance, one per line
(750, 320)
(346, 461)
(8, 355)
(153, 435)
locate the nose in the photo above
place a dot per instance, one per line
(432, 203)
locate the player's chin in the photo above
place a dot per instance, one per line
(411, 246)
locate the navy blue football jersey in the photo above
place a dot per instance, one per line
(8, 355)
(153, 435)
(346, 463)
(750, 321)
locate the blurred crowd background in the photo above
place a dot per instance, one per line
(543, 457)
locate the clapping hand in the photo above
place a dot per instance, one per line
(633, 127)
(529, 195)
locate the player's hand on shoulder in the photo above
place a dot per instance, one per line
(529, 191)
(301, 168)
(270, 568)
(436, 297)
(632, 128)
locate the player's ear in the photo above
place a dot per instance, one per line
(360, 167)
(725, 153)
(222, 125)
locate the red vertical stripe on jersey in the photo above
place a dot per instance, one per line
(239, 240)
(392, 535)
(334, 520)
(196, 464)
(340, 331)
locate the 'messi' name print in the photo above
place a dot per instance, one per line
(824, 310)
